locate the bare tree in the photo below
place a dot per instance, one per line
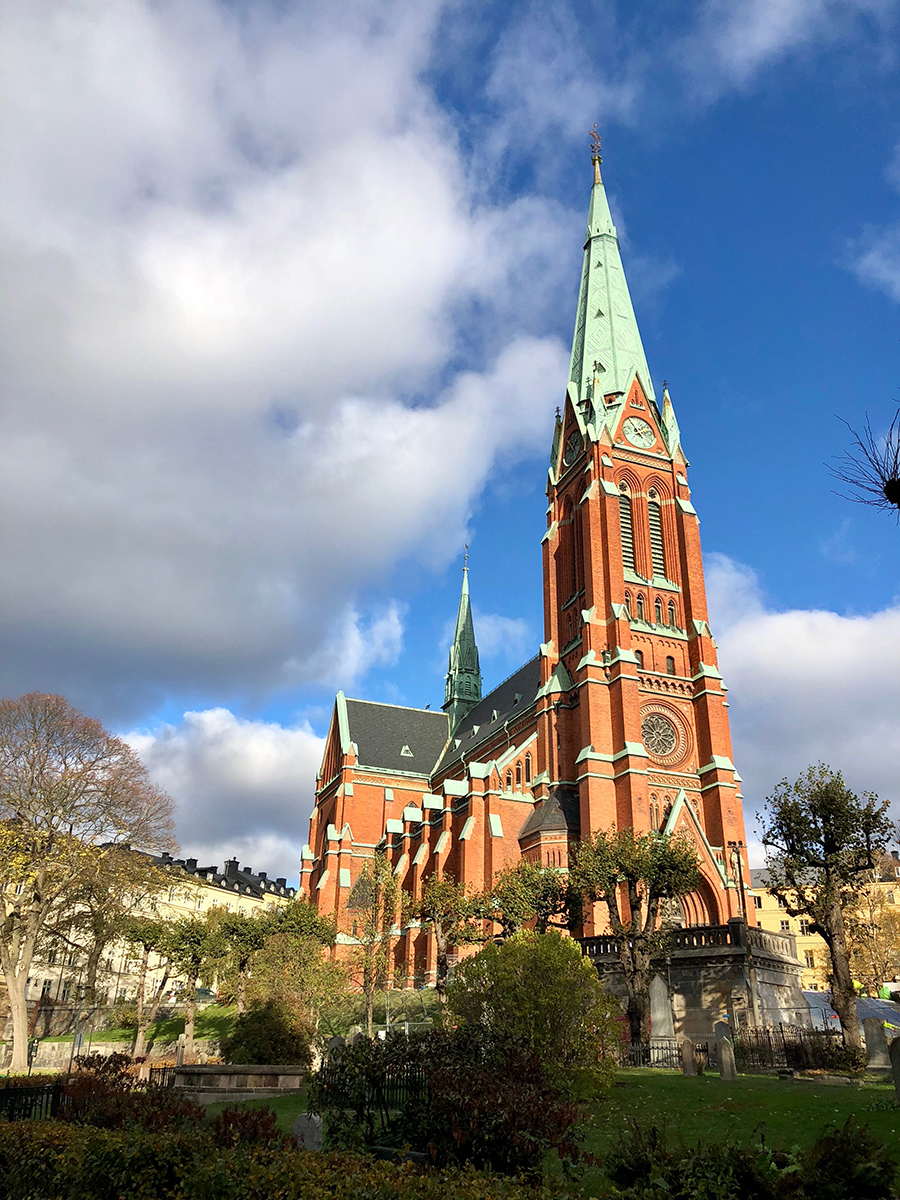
(872, 468)
(375, 899)
(67, 786)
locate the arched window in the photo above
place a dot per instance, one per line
(672, 621)
(627, 525)
(509, 781)
(518, 777)
(565, 555)
(640, 607)
(577, 552)
(657, 553)
(628, 605)
(670, 665)
(528, 768)
(639, 655)
(657, 609)
(654, 811)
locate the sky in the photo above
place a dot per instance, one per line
(289, 295)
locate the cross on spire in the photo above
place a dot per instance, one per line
(596, 140)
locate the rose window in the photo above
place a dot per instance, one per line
(659, 735)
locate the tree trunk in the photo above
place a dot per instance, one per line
(190, 1011)
(843, 996)
(240, 998)
(139, 1036)
(18, 1010)
(92, 968)
(443, 963)
(149, 1016)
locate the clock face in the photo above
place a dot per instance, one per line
(573, 447)
(638, 432)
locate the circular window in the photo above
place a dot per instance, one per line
(659, 735)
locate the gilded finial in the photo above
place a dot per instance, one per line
(596, 157)
(558, 413)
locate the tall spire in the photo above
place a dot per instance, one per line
(463, 688)
(607, 349)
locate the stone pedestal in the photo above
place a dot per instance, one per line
(725, 1050)
(688, 1061)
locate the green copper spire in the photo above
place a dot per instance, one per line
(607, 350)
(464, 675)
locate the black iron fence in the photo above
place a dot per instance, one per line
(788, 1047)
(162, 1077)
(30, 1103)
(665, 1053)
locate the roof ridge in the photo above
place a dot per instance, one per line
(432, 712)
(499, 685)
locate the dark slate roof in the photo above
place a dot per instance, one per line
(231, 878)
(560, 811)
(759, 878)
(524, 683)
(381, 731)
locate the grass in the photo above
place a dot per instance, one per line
(286, 1108)
(214, 1021)
(788, 1112)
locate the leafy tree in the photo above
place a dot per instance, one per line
(94, 912)
(540, 990)
(452, 914)
(631, 874)
(873, 931)
(821, 841)
(270, 1032)
(192, 946)
(528, 892)
(240, 939)
(374, 898)
(148, 936)
(67, 787)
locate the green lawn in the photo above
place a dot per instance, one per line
(287, 1108)
(211, 1022)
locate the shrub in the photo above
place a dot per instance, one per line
(843, 1163)
(541, 990)
(462, 1096)
(248, 1126)
(43, 1161)
(270, 1032)
(104, 1066)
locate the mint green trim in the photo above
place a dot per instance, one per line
(551, 532)
(389, 795)
(463, 682)
(495, 824)
(306, 854)
(323, 879)
(340, 704)
(393, 826)
(344, 877)
(635, 749)
(455, 787)
(411, 813)
(401, 863)
(442, 842)
(467, 829)
(421, 855)
(591, 490)
(681, 804)
(479, 770)
(590, 752)
(704, 671)
(686, 506)
(609, 487)
(430, 801)
(590, 660)
(718, 762)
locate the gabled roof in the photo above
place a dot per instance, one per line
(396, 739)
(559, 813)
(506, 702)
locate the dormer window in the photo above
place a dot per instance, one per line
(406, 753)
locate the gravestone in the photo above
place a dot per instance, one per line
(355, 1034)
(894, 1054)
(308, 1131)
(179, 1050)
(662, 1024)
(688, 1061)
(725, 1049)
(876, 1045)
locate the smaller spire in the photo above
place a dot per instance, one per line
(463, 689)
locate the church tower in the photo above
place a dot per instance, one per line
(632, 714)
(463, 686)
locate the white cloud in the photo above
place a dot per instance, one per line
(235, 284)
(508, 638)
(876, 259)
(244, 789)
(806, 686)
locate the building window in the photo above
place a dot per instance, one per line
(46, 987)
(509, 781)
(809, 958)
(640, 607)
(672, 620)
(785, 926)
(627, 525)
(657, 611)
(657, 552)
(804, 928)
(518, 777)
(757, 901)
(890, 897)
(628, 605)
(782, 903)
(639, 655)
(670, 665)
(528, 768)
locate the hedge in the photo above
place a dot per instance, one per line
(48, 1161)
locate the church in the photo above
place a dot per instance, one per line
(619, 719)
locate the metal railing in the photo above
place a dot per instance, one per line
(161, 1077)
(30, 1103)
(787, 1047)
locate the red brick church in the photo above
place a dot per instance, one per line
(619, 719)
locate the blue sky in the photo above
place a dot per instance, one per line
(294, 292)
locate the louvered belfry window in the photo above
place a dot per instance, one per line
(656, 535)
(627, 524)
